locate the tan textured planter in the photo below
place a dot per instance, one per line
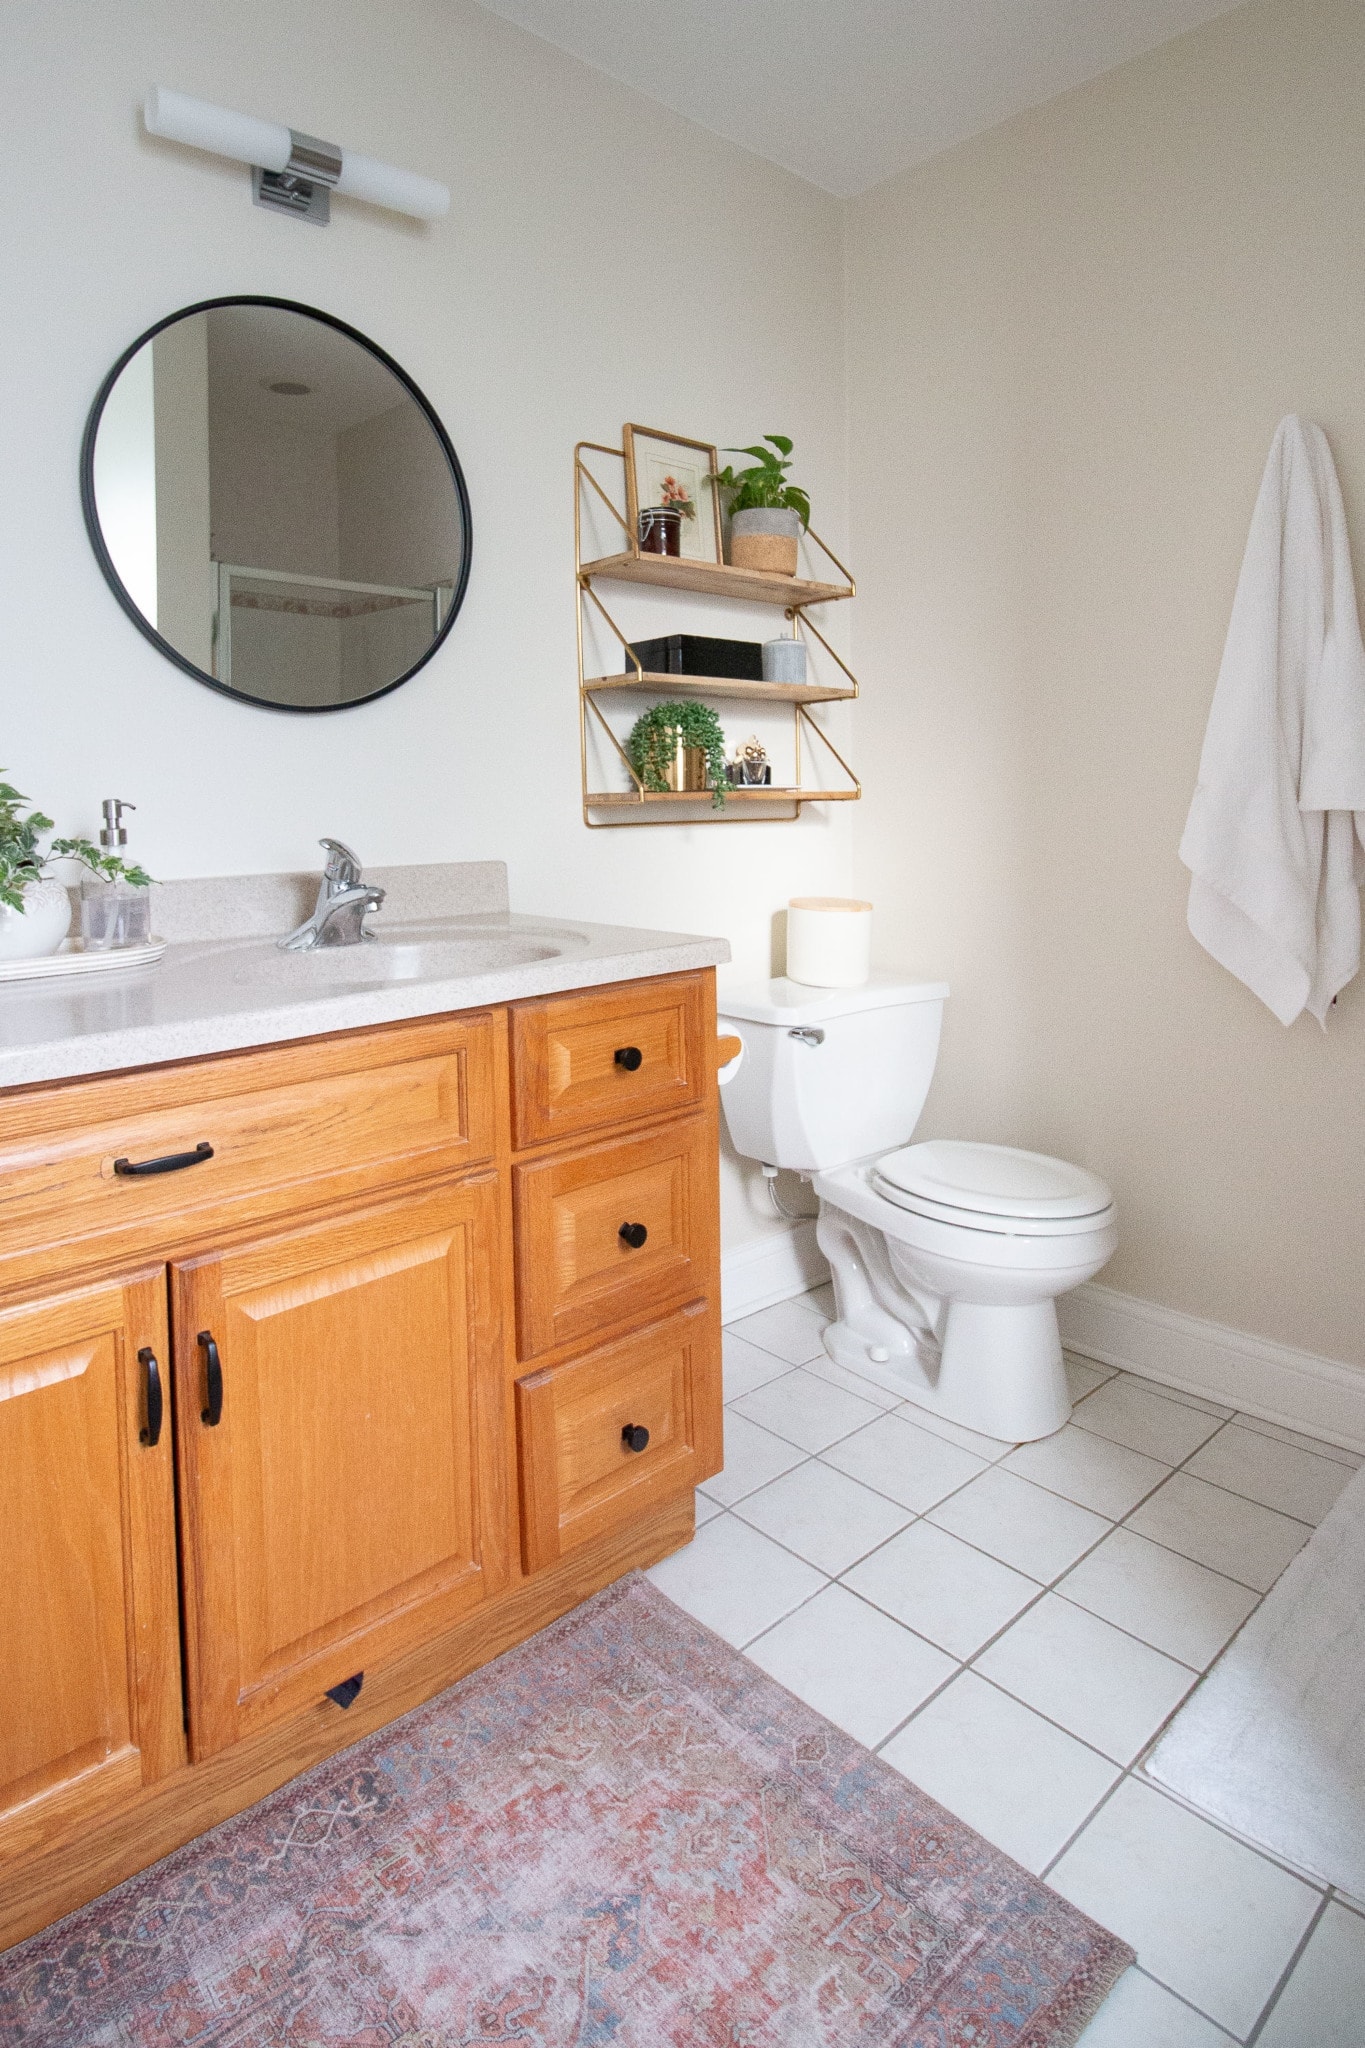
(765, 539)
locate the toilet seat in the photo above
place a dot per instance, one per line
(992, 1188)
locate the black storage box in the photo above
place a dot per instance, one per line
(694, 654)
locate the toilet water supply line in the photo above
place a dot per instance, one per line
(770, 1174)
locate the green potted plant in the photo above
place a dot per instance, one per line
(679, 746)
(766, 512)
(35, 910)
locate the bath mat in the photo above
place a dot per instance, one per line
(1273, 1742)
(621, 1833)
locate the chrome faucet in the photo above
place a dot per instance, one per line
(344, 901)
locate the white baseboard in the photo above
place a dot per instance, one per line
(770, 1269)
(1297, 1389)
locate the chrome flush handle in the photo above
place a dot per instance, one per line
(808, 1034)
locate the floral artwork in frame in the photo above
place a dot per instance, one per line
(668, 469)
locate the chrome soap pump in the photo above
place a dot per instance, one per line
(114, 912)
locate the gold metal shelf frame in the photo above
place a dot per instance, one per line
(743, 805)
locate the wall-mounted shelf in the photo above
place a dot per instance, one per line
(638, 805)
(715, 579)
(616, 799)
(724, 686)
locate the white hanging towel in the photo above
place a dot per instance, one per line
(1274, 835)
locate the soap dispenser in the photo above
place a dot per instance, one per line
(114, 912)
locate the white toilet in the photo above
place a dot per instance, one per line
(947, 1257)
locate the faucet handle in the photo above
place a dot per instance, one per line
(343, 867)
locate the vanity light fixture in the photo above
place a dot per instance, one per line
(290, 172)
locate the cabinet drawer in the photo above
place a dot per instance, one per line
(576, 1424)
(583, 1062)
(613, 1231)
(333, 1117)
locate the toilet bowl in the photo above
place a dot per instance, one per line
(947, 1257)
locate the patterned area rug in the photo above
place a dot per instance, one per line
(619, 1833)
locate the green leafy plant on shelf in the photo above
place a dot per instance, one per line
(656, 735)
(764, 486)
(21, 861)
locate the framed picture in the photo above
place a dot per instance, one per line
(668, 469)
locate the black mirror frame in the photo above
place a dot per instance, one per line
(105, 560)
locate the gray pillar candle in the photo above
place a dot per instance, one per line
(784, 661)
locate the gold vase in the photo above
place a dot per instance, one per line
(686, 771)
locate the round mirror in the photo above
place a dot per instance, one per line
(276, 505)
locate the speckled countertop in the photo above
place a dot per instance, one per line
(223, 984)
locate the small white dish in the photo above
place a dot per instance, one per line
(70, 960)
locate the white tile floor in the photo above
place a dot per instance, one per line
(1012, 1627)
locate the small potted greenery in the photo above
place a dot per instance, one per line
(766, 512)
(679, 746)
(35, 910)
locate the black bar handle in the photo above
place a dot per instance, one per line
(635, 1436)
(213, 1381)
(172, 1163)
(630, 1057)
(151, 1435)
(634, 1234)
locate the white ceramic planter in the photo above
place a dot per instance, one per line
(40, 926)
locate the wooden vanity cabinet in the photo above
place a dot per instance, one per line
(419, 1391)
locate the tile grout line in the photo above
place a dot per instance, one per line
(1278, 1988)
(1224, 2033)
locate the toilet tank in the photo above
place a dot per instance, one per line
(828, 1076)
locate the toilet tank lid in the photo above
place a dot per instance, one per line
(794, 1002)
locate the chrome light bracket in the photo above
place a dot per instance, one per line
(304, 187)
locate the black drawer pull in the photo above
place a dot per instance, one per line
(151, 1435)
(630, 1057)
(634, 1234)
(635, 1436)
(213, 1381)
(348, 1691)
(172, 1163)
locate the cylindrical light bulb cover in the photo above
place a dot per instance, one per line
(181, 118)
(363, 177)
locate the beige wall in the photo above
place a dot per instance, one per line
(574, 201)
(1070, 342)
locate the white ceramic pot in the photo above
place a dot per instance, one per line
(40, 926)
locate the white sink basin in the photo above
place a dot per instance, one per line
(403, 953)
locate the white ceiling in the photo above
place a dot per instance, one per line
(847, 92)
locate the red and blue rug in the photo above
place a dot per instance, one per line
(619, 1833)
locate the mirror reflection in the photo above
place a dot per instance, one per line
(273, 500)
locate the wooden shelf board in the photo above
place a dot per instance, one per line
(715, 579)
(723, 686)
(614, 799)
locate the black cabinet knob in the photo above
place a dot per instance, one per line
(630, 1057)
(635, 1436)
(634, 1234)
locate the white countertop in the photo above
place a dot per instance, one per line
(225, 991)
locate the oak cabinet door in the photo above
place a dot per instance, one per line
(609, 1057)
(89, 1629)
(612, 1232)
(341, 1451)
(604, 1438)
